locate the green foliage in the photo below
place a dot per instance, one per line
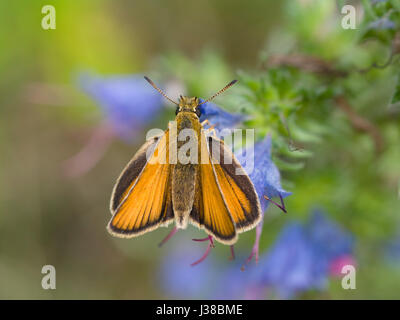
(396, 95)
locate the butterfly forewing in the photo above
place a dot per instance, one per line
(141, 202)
(131, 172)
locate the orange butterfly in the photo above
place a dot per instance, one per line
(213, 192)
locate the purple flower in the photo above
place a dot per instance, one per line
(303, 255)
(128, 102)
(218, 117)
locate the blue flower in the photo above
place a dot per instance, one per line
(302, 256)
(128, 102)
(266, 179)
(218, 117)
(179, 279)
(391, 250)
(290, 265)
(234, 283)
(382, 24)
(210, 279)
(373, 2)
(298, 261)
(265, 174)
(328, 237)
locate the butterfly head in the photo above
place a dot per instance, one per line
(188, 104)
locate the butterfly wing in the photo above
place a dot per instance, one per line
(239, 193)
(141, 199)
(209, 210)
(132, 170)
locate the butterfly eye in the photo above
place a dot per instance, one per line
(198, 111)
(177, 110)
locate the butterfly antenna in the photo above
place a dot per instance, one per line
(159, 90)
(230, 84)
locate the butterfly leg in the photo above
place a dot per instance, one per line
(280, 206)
(211, 131)
(169, 236)
(256, 246)
(232, 253)
(210, 245)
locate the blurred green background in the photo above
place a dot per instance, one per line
(48, 218)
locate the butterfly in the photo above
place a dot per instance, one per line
(160, 186)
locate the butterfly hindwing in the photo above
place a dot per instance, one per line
(209, 208)
(238, 190)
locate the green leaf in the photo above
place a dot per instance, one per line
(396, 95)
(303, 135)
(293, 153)
(288, 166)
